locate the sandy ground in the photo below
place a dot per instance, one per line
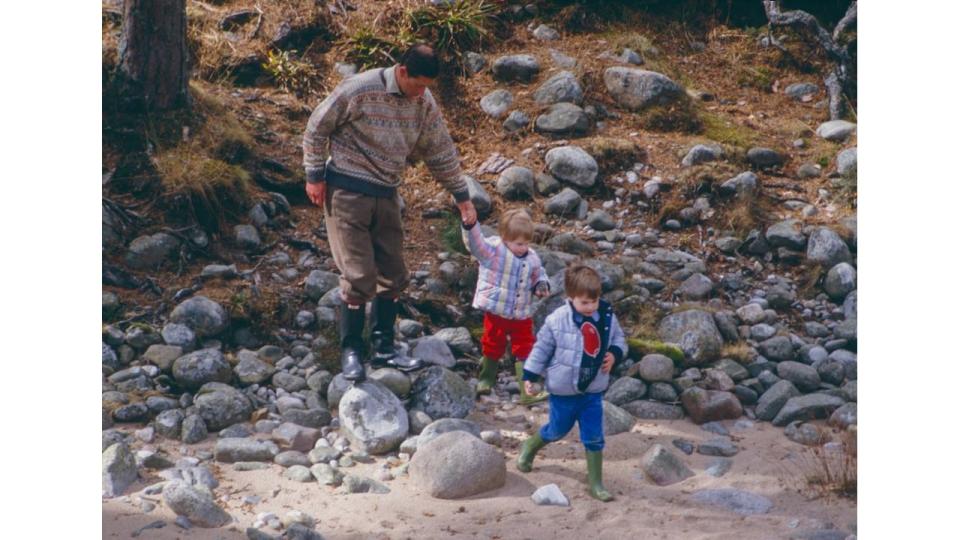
(768, 464)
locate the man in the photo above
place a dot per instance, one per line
(372, 124)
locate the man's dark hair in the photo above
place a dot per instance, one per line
(421, 61)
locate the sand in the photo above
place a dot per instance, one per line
(768, 464)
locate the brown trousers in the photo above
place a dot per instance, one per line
(366, 238)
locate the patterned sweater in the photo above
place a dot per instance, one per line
(506, 282)
(372, 130)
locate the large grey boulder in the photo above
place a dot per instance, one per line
(163, 356)
(695, 332)
(478, 196)
(119, 469)
(146, 252)
(204, 316)
(545, 33)
(655, 368)
(373, 418)
(774, 399)
(563, 86)
(221, 405)
(195, 504)
(663, 467)
(826, 248)
(702, 153)
(710, 405)
(518, 67)
(458, 338)
(496, 103)
(319, 282)
(808, 407)
(778, 348)
(765, 158)
(799, 90)
(435, 351)
(251, 370)
(167, 423)
(745, 183)
(616, 420)
(696, 287)
(195, 369)
(653, 410)
(847, 161)
(840, 281)
(804, 377)
(637, 89)
(573, 165)
(457, 465)
(515, 183)
(624, 390)
(442, 393)
(446, 425)
(786, 234)
(516, 121)
(836, 130)
(564, 203)
(563, 119)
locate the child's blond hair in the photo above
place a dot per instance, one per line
(516, 225)
(581, 280)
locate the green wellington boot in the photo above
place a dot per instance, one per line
(487, 376)
(524, 398)
(530, 448)
(595, 477)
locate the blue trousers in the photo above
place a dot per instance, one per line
(584, 409)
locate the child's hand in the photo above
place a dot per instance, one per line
(542, 290)
(608, 361)
(529, 388)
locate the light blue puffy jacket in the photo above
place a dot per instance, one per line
(559, 348)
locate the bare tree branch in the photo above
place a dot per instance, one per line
(850, 18)
(839, 81)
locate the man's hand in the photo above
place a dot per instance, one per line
(317, 193)
(608, 361)
(529, 388)
(467, 212)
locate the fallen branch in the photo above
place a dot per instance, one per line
(839, 82)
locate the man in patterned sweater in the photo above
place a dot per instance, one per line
(355, 149)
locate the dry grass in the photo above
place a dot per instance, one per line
(741, 352)
(201, 177)
(832, 473)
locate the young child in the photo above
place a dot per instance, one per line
(576, 349)
(510, 274)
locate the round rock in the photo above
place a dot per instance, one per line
(457, 465)
(573, 165)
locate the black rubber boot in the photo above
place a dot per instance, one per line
(352, 319)
(384, 346)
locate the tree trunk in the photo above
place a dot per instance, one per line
(153, 54)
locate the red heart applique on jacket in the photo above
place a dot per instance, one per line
(591, 339)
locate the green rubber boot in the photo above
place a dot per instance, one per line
(526, 399)
(488, 375)
(530, 448)
(595, 477)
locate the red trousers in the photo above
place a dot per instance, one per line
(496, 330)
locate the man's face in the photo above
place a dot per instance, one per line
(585, 305)
(518, 247)
(412, 87)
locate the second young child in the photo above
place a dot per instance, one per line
(576, 349)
